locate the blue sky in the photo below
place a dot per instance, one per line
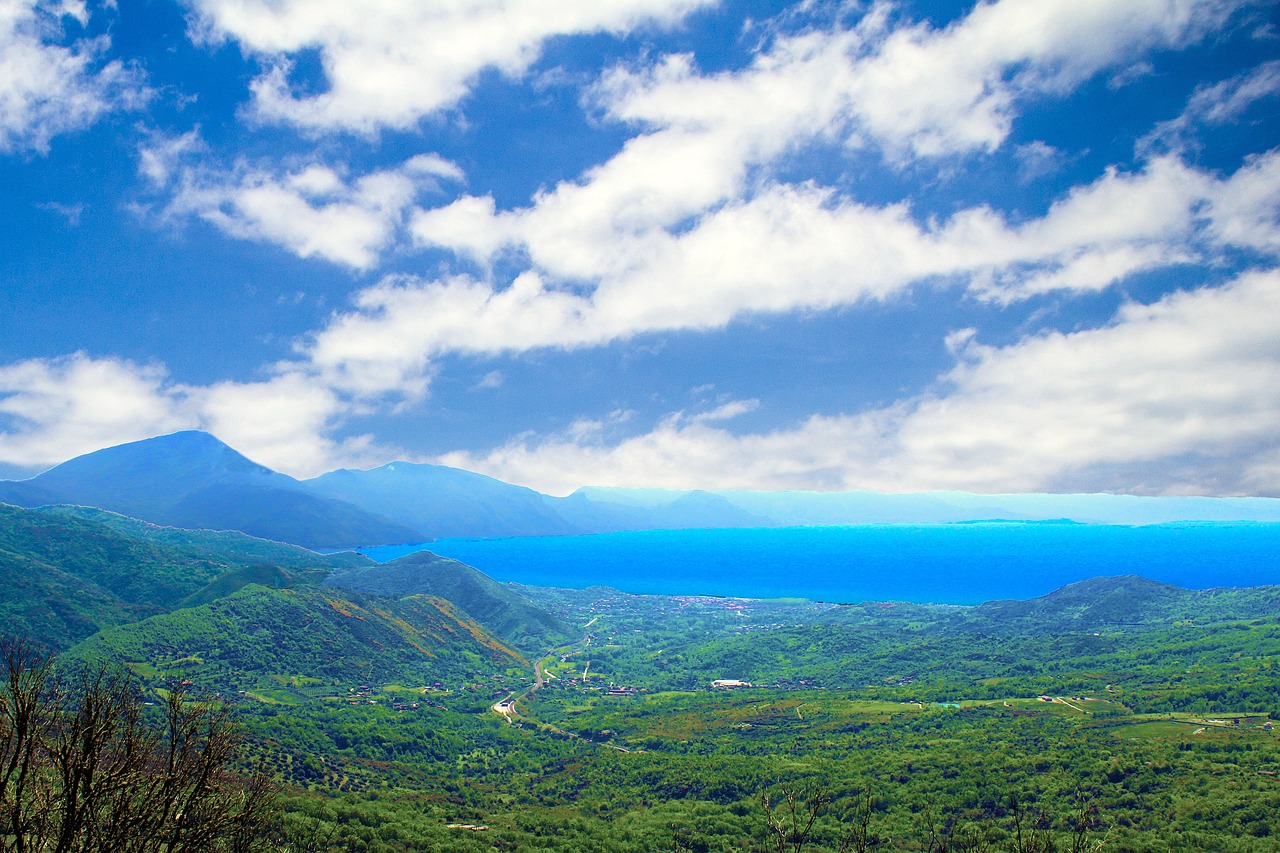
(1024, 245)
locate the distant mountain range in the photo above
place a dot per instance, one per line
(192, 480)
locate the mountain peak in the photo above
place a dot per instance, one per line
(192, 479)
(190, 456)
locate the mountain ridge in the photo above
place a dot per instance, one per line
(191, 479)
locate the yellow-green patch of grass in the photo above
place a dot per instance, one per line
(271, 697)
(1154, 729)
(146, 670)
(411, 691)
(297, 680)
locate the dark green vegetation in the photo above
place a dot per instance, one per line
(69, 572)
(1117, 711)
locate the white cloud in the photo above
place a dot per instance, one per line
(927, 92)
(706, 144)
(1220, 103)
(389, 63)
(1245, 209)
(161, 157)
(48, 88)
(686, 229)
(1182, 396)
(54, 409)
(492, 379)
(286, 423)
(70, 213)
(791, 248)
(311, 210)
(1037, 160)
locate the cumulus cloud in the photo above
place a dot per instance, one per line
(688, 228)
(389, 63)
(913, 91)
(287, 423)
(1181, 396)
(54, 409)
(48, 88)
(794, 248)
(706, 144)
(926, 92)
(310, 210)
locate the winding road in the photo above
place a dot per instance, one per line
(507, 707)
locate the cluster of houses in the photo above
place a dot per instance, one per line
(362, 696)
(619, 690)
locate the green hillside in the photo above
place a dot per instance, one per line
(1098, 604)
(249, 608)
(259, 637)
(70, 571)
(66, 577)
(1119, 602)
(503, 610)
(229, 546)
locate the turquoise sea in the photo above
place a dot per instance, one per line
(946, 563)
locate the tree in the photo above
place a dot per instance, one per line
(83, 771)
(1030, 835)
(950, 836)
(791, 820)
(1082, 825)
(858, 837)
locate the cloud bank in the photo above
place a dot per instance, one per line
(1183, 390)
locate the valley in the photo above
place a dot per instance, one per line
(419, 705)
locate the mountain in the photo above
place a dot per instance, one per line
(797, 508)
(67, 573)
(193, 480)
(445, 502)
(260, 637)
(241, 611)
(1126, 601)
(451, 503)
(498, 607)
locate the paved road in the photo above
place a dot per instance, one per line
(507, 707)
